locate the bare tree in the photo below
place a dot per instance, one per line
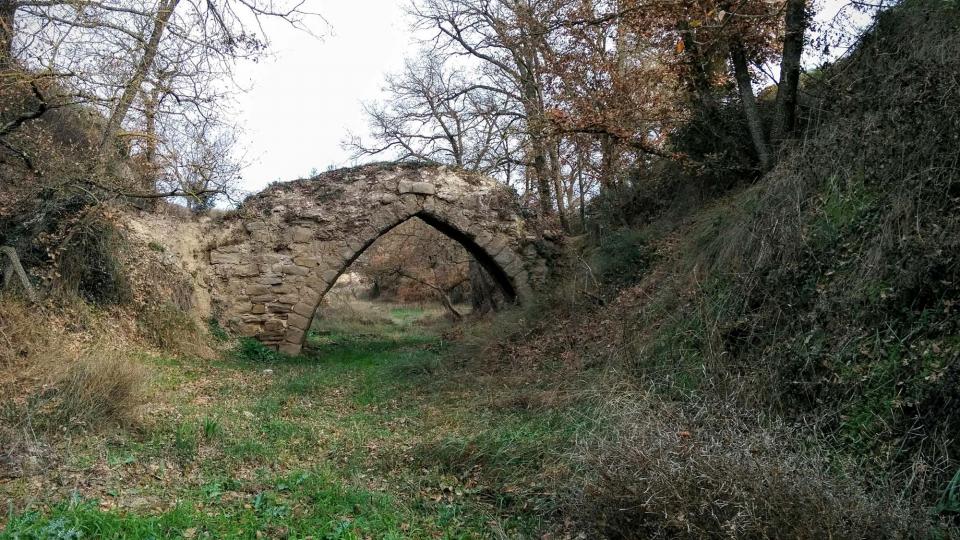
(432, 113)
(8, 11)
(509, 42)
(148, 54)
(150, 67)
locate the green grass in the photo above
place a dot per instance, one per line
(372, 432)
(306, 503)
(406, 315)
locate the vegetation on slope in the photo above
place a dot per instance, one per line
(815, 312)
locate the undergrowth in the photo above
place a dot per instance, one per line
(366, 434)
(823, 299)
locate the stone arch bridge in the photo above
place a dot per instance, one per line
(275, 258)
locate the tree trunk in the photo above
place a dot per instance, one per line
(750, 111)
(8, 13)
(785, 115)
(536, 129)
(557, 188)
(583, 204)
(699, 77)
(538, 147)
(608, 157)
(164, 12)
(151, 105)
(484, 294)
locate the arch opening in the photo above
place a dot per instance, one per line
(470, 247)
(482, 257)
(485, 260)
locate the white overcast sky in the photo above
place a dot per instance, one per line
(307, 95)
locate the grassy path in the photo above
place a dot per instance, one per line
(371, 434)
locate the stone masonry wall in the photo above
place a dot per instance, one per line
(274, 259)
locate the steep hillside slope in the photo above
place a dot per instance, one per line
(822, 303)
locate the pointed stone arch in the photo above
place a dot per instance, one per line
(281, 252)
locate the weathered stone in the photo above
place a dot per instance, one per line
(258, 309)
(330, 275)
(430, 206)
(262, 237)
(514, 267)
(410, 204)
(494, 247)
(258, 289)
(370, 232)
(219, 257)
(283, 288)
(273, 335)
(505, 257)
(270, 279)
(246, 270)
(275, 325)
(309, 296)
(306, 262)
(301, 235)
(279, 308)
(289, 299)
(303, 309)
(417, 188)
(298, 321)
(317, 284)
(251, 329)
(348, 253)
(294, 270)
(295, 335)
(263, 298)
(254, 226)
(395, 213)
(483, 239)
(385, 198)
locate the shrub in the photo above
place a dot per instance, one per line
(218, 332)
(172, 330)
(717, 145)
(102, 387)
(251, 350)
(621, 259)
(662, 471)
(89, 265)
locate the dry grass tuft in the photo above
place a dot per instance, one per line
(173, 331)
(705, 471)
(103, 387)
(20, 335)
(22, 454)
(65, 368)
